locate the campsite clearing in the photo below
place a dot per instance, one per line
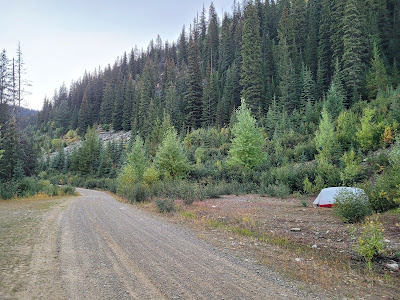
(320, 251)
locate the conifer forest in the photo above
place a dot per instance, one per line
(273, 97)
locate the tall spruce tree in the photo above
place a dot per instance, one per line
(85, 116)
(251, 53)
(194, 93)
(377, 78)
(210, 100)
(324, 48)
(107, 104)
(353, 67)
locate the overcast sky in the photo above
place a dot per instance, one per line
(60, 39)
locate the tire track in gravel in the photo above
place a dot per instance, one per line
(110, 250)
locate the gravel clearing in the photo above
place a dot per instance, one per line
(94, 247)
(110, 250)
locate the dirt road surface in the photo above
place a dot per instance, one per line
(99, 248)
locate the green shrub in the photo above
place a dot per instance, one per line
(383, 193)
(352, 206)
(8, 190)
(276, 190)
(187, 192)
(67, 190)
(46, 187)
(371, 242)
(28, 186)
(137, 193)
(166, 205)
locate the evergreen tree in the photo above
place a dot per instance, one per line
(298, 19)
(248, 140)
(210, 97)
(287, 78)
(107, 105)
(12, 154)
(193, 95)
(89, 153)
(212, 39)
(117, 115)
(337, 27)
(129, 101)
(353, 67)
(325, 138)
(5, 77)
(226, 46)
(171, 158)
(377, 78)
(146, 93)
(182, 49)
(251, 53)
(85, 117)
(334, 101)
(324, 48)
(308, 88)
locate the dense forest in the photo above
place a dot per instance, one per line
(274, 97)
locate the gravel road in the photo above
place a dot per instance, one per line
(110, 250)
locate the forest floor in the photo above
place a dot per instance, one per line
(308, 244)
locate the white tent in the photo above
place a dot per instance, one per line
(326, 197)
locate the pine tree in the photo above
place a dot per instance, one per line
(353, 67)
(85, 117)
(248, 140)
(210, 98)
(325, 138)
(287, 78)
(226, 46)
(251, 53)
(308, 88)
(337, 27)
(129, 101)
(334, 101)
(5, 77)
(377, 78)
(11, 145)
(193, 95)
(324, 48)
(107, 105)
(146, 93)
(117, 114)
(298, 19)
(182, 49)
(171, 157)
(212, 39)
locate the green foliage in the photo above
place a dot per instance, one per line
(136, 192)
(377, 78)
(251, 53)
(150, 175)
(367, 131)
(248, 140)
(352, 206)
(325, 138)
(308, 187)
(165, 205)
(137, 159)
(352, 168)
(276, 190)
(171, 157)
(371, 241)
(346, 129)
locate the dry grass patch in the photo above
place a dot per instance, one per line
(20, 220)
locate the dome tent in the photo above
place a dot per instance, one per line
(326, 197)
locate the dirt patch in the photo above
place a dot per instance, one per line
(308, 244)
(27, 251)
